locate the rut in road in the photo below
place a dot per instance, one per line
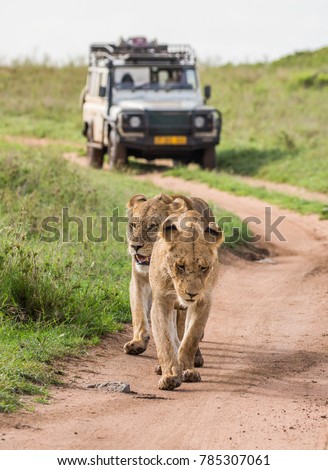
(266, 361)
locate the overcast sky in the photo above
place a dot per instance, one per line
(221, 30)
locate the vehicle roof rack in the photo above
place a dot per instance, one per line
(140, 50)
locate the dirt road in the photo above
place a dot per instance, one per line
(265, 379)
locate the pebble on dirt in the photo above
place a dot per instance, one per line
(120, 387)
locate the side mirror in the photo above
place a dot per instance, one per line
(207, 92)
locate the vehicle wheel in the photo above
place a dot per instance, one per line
(96, 157)
(208, 160)
(118, 156)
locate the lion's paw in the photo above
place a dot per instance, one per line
(135, 347)
(191, 375)
(199, 361)
(169, 382)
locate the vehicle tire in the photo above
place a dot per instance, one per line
(118, 155)
(208, 160)
(96, 157)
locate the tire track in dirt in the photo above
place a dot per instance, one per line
(265, 377)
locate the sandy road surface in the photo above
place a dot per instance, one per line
(265, 379)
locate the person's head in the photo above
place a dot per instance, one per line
(127, 79)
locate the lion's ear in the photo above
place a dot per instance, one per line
(213, 234)
(170, 230)
(166, 198)
(179, 204)
(135, 200)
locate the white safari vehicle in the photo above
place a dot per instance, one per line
(144, 99)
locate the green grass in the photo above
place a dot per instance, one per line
(55, 298)
(226, 182)
(41, 101)
(274, 119)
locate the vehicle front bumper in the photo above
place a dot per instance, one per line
(147, 143)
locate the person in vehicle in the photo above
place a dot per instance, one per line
(127, 81)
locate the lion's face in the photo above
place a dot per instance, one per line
(144, 220)
(189, 269)
(191, 254)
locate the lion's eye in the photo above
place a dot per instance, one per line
(133, 225)
(180, 267)
(152, 227)
(204, 269)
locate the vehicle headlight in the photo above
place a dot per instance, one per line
(135, 121)
(203, 122)
(200, 121)
(132, 121)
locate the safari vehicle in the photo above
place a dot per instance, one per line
(144, 99)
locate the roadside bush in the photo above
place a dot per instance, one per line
(316, 80)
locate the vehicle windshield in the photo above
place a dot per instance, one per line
(155, 78)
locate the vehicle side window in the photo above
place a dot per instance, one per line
(92, 83)
(191, 78)
(103, 84)
(97, 82)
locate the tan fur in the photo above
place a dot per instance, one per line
(184, 262)
(144, 220)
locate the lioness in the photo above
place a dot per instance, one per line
(184, 269)
(144, 219)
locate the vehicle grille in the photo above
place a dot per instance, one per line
(169, 123)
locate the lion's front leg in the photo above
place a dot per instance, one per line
(163, 318)
(181, 323)
(140, 301)
(195, 325)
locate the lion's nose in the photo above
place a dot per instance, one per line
(136, 247)
(191, 295)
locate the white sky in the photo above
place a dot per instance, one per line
(225, 30)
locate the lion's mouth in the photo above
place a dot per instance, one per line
(143, 260)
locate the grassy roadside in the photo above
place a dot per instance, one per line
(274, 119)
(41, 101)
(225, 182)
(56, 298)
